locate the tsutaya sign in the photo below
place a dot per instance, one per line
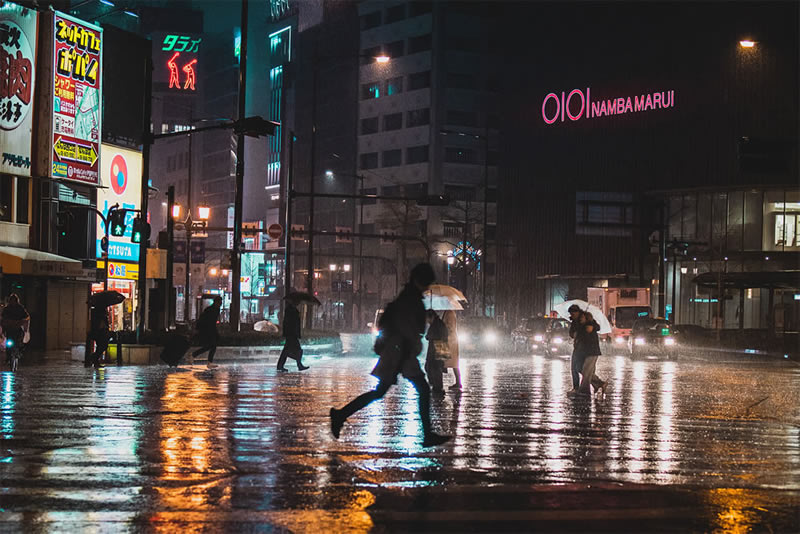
(578, 104)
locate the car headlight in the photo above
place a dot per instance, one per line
(490, 337)
(538, 337)
(640, 341)
(669, 341)
(558, 340)
(463, 337)
(620, 339)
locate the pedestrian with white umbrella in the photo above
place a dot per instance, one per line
(448, 300)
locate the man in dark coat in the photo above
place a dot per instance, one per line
(291, 331)
(403, 324)
(576, 362)
(99, 333)
(207, 331)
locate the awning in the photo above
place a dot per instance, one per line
(16, 260)
(766, 279)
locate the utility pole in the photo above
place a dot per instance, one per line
(310, 273)
(287, 228)
(146, 118)
(236, 266)
(485, 247)
(187, 291)
(170, 312)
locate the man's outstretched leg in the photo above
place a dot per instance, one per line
(430, 438)
(338, 417)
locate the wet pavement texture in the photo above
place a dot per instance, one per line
(706, 445)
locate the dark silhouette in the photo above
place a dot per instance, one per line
(402, 326)
(99, 333)
(291, 331)
(437, 339)
(586, 349)
(207, 331)
(13, 321)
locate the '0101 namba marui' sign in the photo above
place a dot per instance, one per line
(578, 104)
(77, 99)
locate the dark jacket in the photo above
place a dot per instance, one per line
(99, 319)
(586, 343)
(406, 320)
(206, 325)
(291, 322)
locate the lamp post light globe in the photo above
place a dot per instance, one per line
(176, 211)
(203, 213)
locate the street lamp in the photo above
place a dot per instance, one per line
(746, 43)
(339, 269)
(203, 214)
(381, 59)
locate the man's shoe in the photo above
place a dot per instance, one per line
(336, 422)
(301, 367)
(212, 365)
(433, 439)
(282, 369)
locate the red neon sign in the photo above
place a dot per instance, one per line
(565, 106)
(174, 74)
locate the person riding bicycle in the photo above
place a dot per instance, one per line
(13, 321)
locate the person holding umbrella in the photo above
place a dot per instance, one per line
(402, 326)
(99, 329)
(207, 331)
(291, 331)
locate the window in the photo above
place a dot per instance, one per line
(418, 117)
(786, 230)
(606, 214)
(369, 191)
(459, 155)
(459, 192)
(392, 122)
(370, 90)
(419, 80)
(462, 118)
(370, 20)
(6, 187)
(417, 154)
(395, 49)
(420, 43)
(393, 14)
(453, 229)
(394, 86)
(368, 55)
(392, 158)
(369, 160)
(22, 200)
(420, 8)
(369, 126)
(456, 80)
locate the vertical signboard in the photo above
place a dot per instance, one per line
(77, 99)
(18, 29)
(175, 60)
(121, 180)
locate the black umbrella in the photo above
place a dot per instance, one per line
(174, 349)
(104, 299)
(300, 296)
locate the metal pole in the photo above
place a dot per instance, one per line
(485, 255)
(287, 230)
(310, 273)
(187, 289)
(170, 312)
(146, 118)
(360, 257)
(236, 266)
(673, 315)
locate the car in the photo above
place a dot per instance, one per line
(557, 338)
(529, 332)
(652, 336)
(478, 334)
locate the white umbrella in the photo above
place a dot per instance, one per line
(442, 297)
(266, 326)
(597, 314)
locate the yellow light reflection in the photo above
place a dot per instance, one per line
(736, 511)
(554, 445)
(635, 431)
(666, 461)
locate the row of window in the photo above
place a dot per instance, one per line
(179, 161)
(394, 121)
(395, 14)
(396, 49)
(393, 86)
(394, 157)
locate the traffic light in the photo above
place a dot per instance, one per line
(116, 221)
(140, 231)
(254, 126)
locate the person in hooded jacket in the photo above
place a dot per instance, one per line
(403, 324)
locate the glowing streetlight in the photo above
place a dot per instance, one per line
(176, 211)
(382, 59)
(332, 267)
(346, 267)
(203, 213)
(329, 175)
(746, 43)
(213, 271)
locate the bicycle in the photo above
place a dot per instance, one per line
(13, 353)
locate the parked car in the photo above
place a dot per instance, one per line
(652, 336)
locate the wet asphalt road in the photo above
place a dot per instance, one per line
(706, 444)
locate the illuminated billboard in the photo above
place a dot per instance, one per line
(18, 29)
(77, 99)
(175, 60)
(121, 181)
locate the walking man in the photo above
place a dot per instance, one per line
(99, 332)
(291, 331)
(576, 362)
(402, 325)
(207, 331)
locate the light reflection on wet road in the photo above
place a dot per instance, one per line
(708, 446)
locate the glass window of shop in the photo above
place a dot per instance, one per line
(6, 198)
(14, 199)
(781, 227)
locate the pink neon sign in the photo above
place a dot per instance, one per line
(577, 105)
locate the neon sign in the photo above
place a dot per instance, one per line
(183, 59)
(180, 43)
(577, 105)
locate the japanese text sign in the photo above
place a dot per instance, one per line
(175, 59)
(77, 99)
(18, 28)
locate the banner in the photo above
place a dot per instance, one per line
(18, 32)
(121, 181)
(77, 99)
